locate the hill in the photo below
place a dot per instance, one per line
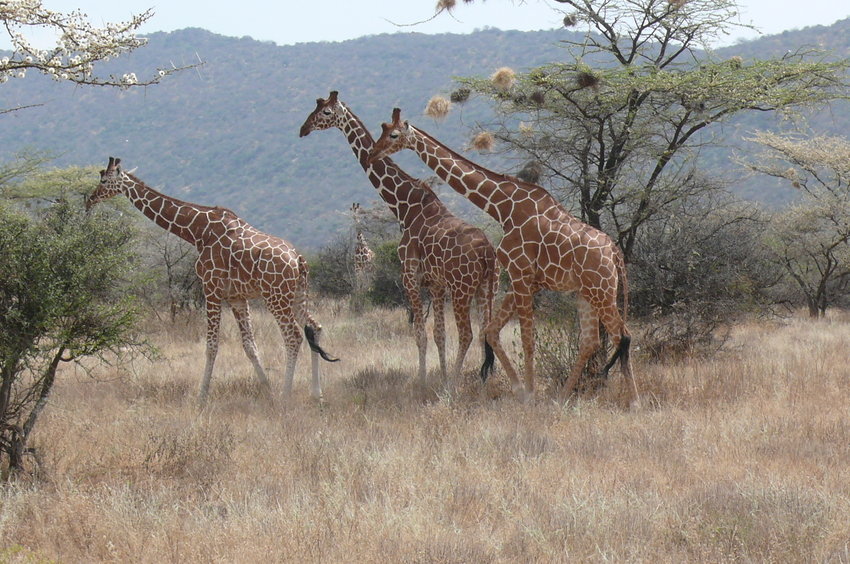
(227, 133)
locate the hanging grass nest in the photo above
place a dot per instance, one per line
(438, 107)
(459, 96)
(504, 78)
(538, 97)
(526, 129)
(483, 142)
(570, 20)
(677, 4)
(586, 79)
(736, 62)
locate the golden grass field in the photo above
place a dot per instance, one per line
(743, 457)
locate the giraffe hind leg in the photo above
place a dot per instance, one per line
(242, 313)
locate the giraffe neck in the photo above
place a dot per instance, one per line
(501, 196)
(403, 194)
(173, 215)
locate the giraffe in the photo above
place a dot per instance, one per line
(544, 247)
(363, 256)
(437, 250)
(236, 263)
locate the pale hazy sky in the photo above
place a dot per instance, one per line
(297, 21)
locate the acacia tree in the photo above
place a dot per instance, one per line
(810, 239)
(618, 125)
(62, 298)
(79, 47)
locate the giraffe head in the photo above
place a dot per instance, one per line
(395, 136)
(112, 182)
(328, 113)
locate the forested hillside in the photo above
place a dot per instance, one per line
(226, 133)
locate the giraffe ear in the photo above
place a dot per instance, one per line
(406, 125)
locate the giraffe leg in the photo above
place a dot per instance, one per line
(491, 335)
(461, 305)
(438, 299)
(588, 341)
(213, 306)
(292, 342)
(242, 313)
(410, 282)
(525, 311)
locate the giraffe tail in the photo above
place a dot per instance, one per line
(489, 361)
(491, 282)
(622, 352)
(311, 327)
(313, 341)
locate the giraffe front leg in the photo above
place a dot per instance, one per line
(242, 313)
(213, 307)
(438, 299)
(410, 281)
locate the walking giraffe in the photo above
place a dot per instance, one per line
(437, 250)
(236, 263)
(364, 257)
(544, 247)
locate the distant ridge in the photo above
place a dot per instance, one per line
(227, 134)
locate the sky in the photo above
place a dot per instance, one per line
(299, 21)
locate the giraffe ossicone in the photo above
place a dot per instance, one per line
(438, 251)
(544, 246)
(236, 263)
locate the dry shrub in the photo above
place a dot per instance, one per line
(438, 107)
(503, 79)
(483, 141)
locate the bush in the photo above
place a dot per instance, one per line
(63, 296)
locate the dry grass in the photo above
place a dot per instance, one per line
(745, 457)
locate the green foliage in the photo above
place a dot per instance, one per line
(63, 297)
(386, 289)
(331, 271)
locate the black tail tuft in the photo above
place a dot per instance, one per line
(489, 360)
(621, 353)
(310, 333)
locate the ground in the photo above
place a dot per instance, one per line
(744, 456)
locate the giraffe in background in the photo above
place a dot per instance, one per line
(364, 257)
(437, 250)
(544, 247)
(236, 263)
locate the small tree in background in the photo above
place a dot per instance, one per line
(810, 239)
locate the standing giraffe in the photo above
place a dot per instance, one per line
(437, 250)
(364, 257)
(236, 263)
(544, 247)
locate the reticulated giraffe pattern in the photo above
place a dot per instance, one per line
(236, 263)
(544, 247)
(437, 250)
(364, 257)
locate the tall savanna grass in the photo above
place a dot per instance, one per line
(741, 457)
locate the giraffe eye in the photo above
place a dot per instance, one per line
(326, 111)
(394, 135)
